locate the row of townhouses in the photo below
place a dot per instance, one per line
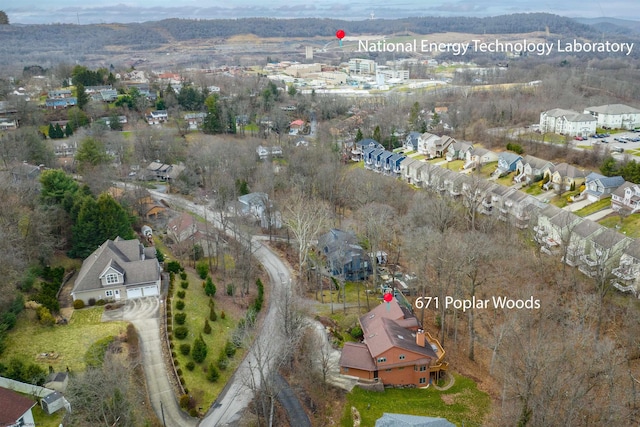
(594, 249)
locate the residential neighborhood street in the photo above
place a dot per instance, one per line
(269, 343)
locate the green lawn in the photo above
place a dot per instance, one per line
(630, 226)
(507, 180)
(594, 207)
(455, 165)
(533, 189)
(70, 342)
(462, 404)
(197, 309)
(487, 169)
(585, 147)
(41, 418)
(553, 138)
(436, 160)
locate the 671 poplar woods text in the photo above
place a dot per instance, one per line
(495, 302)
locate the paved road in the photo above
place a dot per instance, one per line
(144, 314)
(267, 347)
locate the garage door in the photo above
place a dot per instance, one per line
(134, 293)
(150, 291)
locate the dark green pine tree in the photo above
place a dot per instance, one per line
(59, 131)
(68, 131)
(82, 98)
(52, 131)
(199, 351)
(359, 136)
(377, 134)
(212, 123)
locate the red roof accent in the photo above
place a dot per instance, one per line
(13, 406)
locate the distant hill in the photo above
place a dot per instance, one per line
(49, 44)
(619, 26)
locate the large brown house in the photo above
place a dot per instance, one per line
(395, 350)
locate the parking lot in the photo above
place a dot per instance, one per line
(627, 142)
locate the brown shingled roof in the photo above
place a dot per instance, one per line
(357, 356)
(13, 406)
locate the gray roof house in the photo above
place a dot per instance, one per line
(604, 254)
(507, 162)
(580, 241)
(345, 257)
(411, 141)
(458, 150)
(529, 168)
(627, 196)
(598, 186)
(627, 273)
(118, 270)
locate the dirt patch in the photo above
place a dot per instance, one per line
(449, 399)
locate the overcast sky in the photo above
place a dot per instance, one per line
(106, 11)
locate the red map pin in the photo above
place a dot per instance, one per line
(340, 35)
(388, 297)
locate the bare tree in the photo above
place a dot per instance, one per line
(306, 218)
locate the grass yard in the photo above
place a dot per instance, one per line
(594, 207)
(197, 309)
(462, 404)
(70, 342)
(454, 165)
(41, 418)
(585, 147)
(507, 180)
(436, 160)
(630, 226)
(487, 169)
(533, 189)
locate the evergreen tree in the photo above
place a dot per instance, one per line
(52, 131)
(199, 351)
(377, 134)
(56, 186)
(212, 123)
(82, 98)
(359, 136)
(160, 105)
(4, 19)
(213, 374)
(210, 288)
(91, 153)
(59, 131)
(68, 131)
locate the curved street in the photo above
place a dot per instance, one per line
(267, 347)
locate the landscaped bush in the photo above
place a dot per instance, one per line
(229, 349)
(212, 314)
(101, 302)
(223, 360)
(203, 269)
(230, 290)
(190, 365)
(181, 332)
(193, 412)
(180, 318)
(356, 332)
(179, 372)
(212, 373)
(174, 267)
(210, 288)
(92, 302)
(199, 352)
(78, 304)
(180, 305)
(180, 294)
(185, 349)
(45, 317)
(183, 275)
(207, 327)
(184, 284)
(184, 400)
(173, 354)
(222, 315)
(169, 329)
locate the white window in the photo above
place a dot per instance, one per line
(382, 359)
(402, 357)
(423, 380)
(109, 294)
(112, 278)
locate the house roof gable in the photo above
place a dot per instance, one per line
(13, 406)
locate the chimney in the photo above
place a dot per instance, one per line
(420, 340)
